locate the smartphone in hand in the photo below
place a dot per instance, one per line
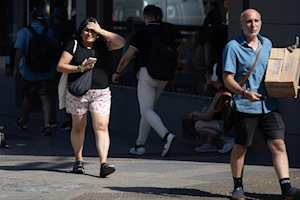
(91, 61)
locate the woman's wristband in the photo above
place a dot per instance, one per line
(117, 72)
(80, 68)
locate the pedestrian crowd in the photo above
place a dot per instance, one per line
(59, 62)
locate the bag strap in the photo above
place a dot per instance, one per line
(251, 69)
(75, 46)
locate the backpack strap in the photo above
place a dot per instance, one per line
(31, 29)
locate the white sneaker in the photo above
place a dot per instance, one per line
(138, 150)
(227, 146)
(168, 145)
(207, 147)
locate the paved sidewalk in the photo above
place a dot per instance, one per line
(37, 168)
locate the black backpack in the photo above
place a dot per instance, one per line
(39, 57)
(163, 57)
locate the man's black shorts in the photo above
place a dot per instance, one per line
(31, 86)
(270, 125)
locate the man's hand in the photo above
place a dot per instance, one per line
(115, 78)
(291, 48)
(253, 96)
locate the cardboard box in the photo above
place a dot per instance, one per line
(282, 74)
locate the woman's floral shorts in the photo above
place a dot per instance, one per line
(94, 100)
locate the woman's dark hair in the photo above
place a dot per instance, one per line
(100, 43)
(83, 25)
(219, 71)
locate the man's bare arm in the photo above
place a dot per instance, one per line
(235, 87)
(126, 59)
(231, 84)
(18, 56)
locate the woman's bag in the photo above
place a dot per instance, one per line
(62, 90)
(63, 85)
(81, 85)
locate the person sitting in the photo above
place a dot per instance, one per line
(208, 121)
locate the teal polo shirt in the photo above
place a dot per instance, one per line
(238, 58)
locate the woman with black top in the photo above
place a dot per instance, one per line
(208, 121)
(92, 41)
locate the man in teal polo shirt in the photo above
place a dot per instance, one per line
(253, 109)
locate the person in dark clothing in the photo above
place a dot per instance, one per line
(215, 30)
(171, 27)
(32, 81)
(148, 89)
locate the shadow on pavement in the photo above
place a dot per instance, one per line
(45, 166)
(170, 192)
(48, 166)
(263, 196)
(185, 192)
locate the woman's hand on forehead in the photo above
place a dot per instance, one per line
(92, 25)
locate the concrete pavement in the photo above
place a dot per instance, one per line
(37, 167)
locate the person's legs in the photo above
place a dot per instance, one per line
(210, 129)
(29, 88)
(43, 93)
(100, 126)
(100, 111)
(26, 107)
(272, 128)
(279, 157)
(237, 160)
(77, 135)
(144, 129)
(77, 107)
(148, 94)
(245, 126)
(149, 91)
(144, 126)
